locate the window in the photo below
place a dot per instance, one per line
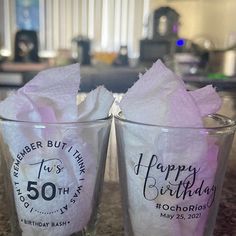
(108, 23)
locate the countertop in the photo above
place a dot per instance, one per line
(222, 84)
(110, 220)
(115, 78)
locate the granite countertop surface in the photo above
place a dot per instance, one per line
(110, 220)
(115, 78)
(111, 223)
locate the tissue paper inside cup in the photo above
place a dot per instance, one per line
(49, 97)
(56, 151)
(163, 162)
(160, 97)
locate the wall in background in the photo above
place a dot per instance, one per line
(212, 19)
(111, 23)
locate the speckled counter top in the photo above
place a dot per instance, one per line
(110, 223)
(111, 215)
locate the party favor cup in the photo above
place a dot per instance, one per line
(171, 177)
(54, 175)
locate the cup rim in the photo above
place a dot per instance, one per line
(86, 122)
(229, 123)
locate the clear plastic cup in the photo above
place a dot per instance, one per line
(171, 177)
(54, 174)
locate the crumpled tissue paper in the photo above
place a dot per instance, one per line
(160, 98)
(60, 203)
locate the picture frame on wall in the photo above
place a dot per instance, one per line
(27, 14)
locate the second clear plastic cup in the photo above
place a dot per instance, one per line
(171, 177)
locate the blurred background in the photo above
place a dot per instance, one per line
(108, 27)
